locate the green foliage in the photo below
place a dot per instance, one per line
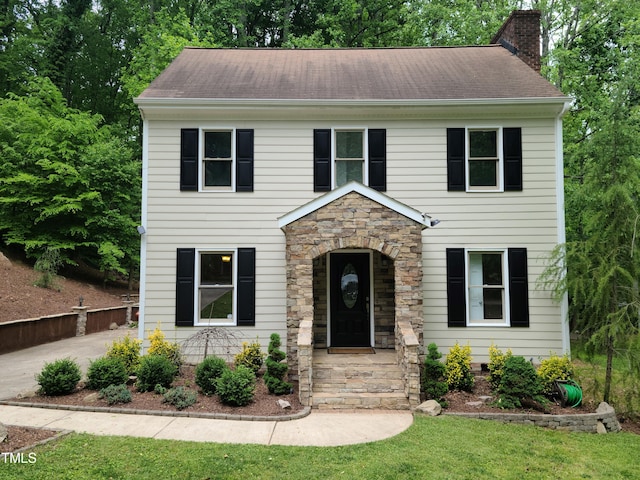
(207, 373)
(59, 377)
(519, 383)
(251, 356)
(458, 368)
(159, 389)
(127, 351)
(276, 368)
(552, 369)
(106, 371)
(48, 265)
(497, 360)
(434, 384)
(160, 346)
(114, 394)
(155, 370)
(236, 387)
(179, 397)
(67, 184)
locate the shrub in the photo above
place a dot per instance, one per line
(519, 383)
(251, 356)
(159, 389)
(208, 371)
(155, 370)
(496, 365)
(128, 351)
(160, 346)
(236, 387)
(276, 368)
(179, 397)
(433, 377)
(106, 371)
(48, 265)
(552, 369)
(458, 368)
(59, 377)
(116, 394)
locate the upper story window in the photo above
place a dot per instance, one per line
(484, 159)
(344, 155)
(349, 155)
(216, 160)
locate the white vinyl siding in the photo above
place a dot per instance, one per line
(416, 176)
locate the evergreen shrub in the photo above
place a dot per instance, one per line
(180, 397)
(155, 370)
(208, 371)
(434, 384)
(519, 383)
(59, 377)
(458, 368)
(128, 351)
(251, 356)
(236, 387)
(276, 368)
(106, 371)
(114, 394)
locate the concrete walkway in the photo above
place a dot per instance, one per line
(18, 370)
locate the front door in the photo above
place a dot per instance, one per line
(349, 285)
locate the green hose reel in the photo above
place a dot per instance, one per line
(569, 393)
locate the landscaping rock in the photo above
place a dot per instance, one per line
(284, 404)
(4, 261)
(3, 431)
(486, 398)
(91, 398)
(27, 394)
(475, 404)
(600, 428)
(430, 407)
(113, 326)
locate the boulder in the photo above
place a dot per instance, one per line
(430, 407)
(4, 433)
(113, 326)
(91, 398)
(5, 263)
(284, 404)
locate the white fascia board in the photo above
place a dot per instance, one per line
(363, 190)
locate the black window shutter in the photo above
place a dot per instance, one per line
(246, 286)
(455, 159)
(456, 303)
(185, 287)
(512, 149)
(322, 160)
(189, 159)
(244, 160)
(378, 159)
(518, 287)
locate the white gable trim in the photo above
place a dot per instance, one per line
(363, 190)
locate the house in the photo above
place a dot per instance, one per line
(356, 198)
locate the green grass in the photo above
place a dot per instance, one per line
(433, 448)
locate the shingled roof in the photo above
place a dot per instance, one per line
(447, 73)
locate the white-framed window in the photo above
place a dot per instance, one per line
(487, 288)
(216, 273)
(349, 156)
(218, 159)
(484, 159)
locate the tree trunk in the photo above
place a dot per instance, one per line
(608, 372)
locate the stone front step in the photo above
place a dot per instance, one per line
(358, 381)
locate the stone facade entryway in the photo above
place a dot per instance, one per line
(355, 218)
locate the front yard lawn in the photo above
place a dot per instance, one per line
(434, 448)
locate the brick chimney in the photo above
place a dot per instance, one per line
(520, 34)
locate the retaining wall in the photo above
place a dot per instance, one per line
(20, 334)
(603, 421)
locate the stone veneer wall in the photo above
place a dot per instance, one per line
(352, 221)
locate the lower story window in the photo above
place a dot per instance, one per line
(486, 288)
(216, 287)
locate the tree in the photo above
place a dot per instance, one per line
(599, 67)
(66, 182)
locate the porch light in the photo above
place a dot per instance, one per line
(226, 258)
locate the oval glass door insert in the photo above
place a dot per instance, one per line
(349, 285)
